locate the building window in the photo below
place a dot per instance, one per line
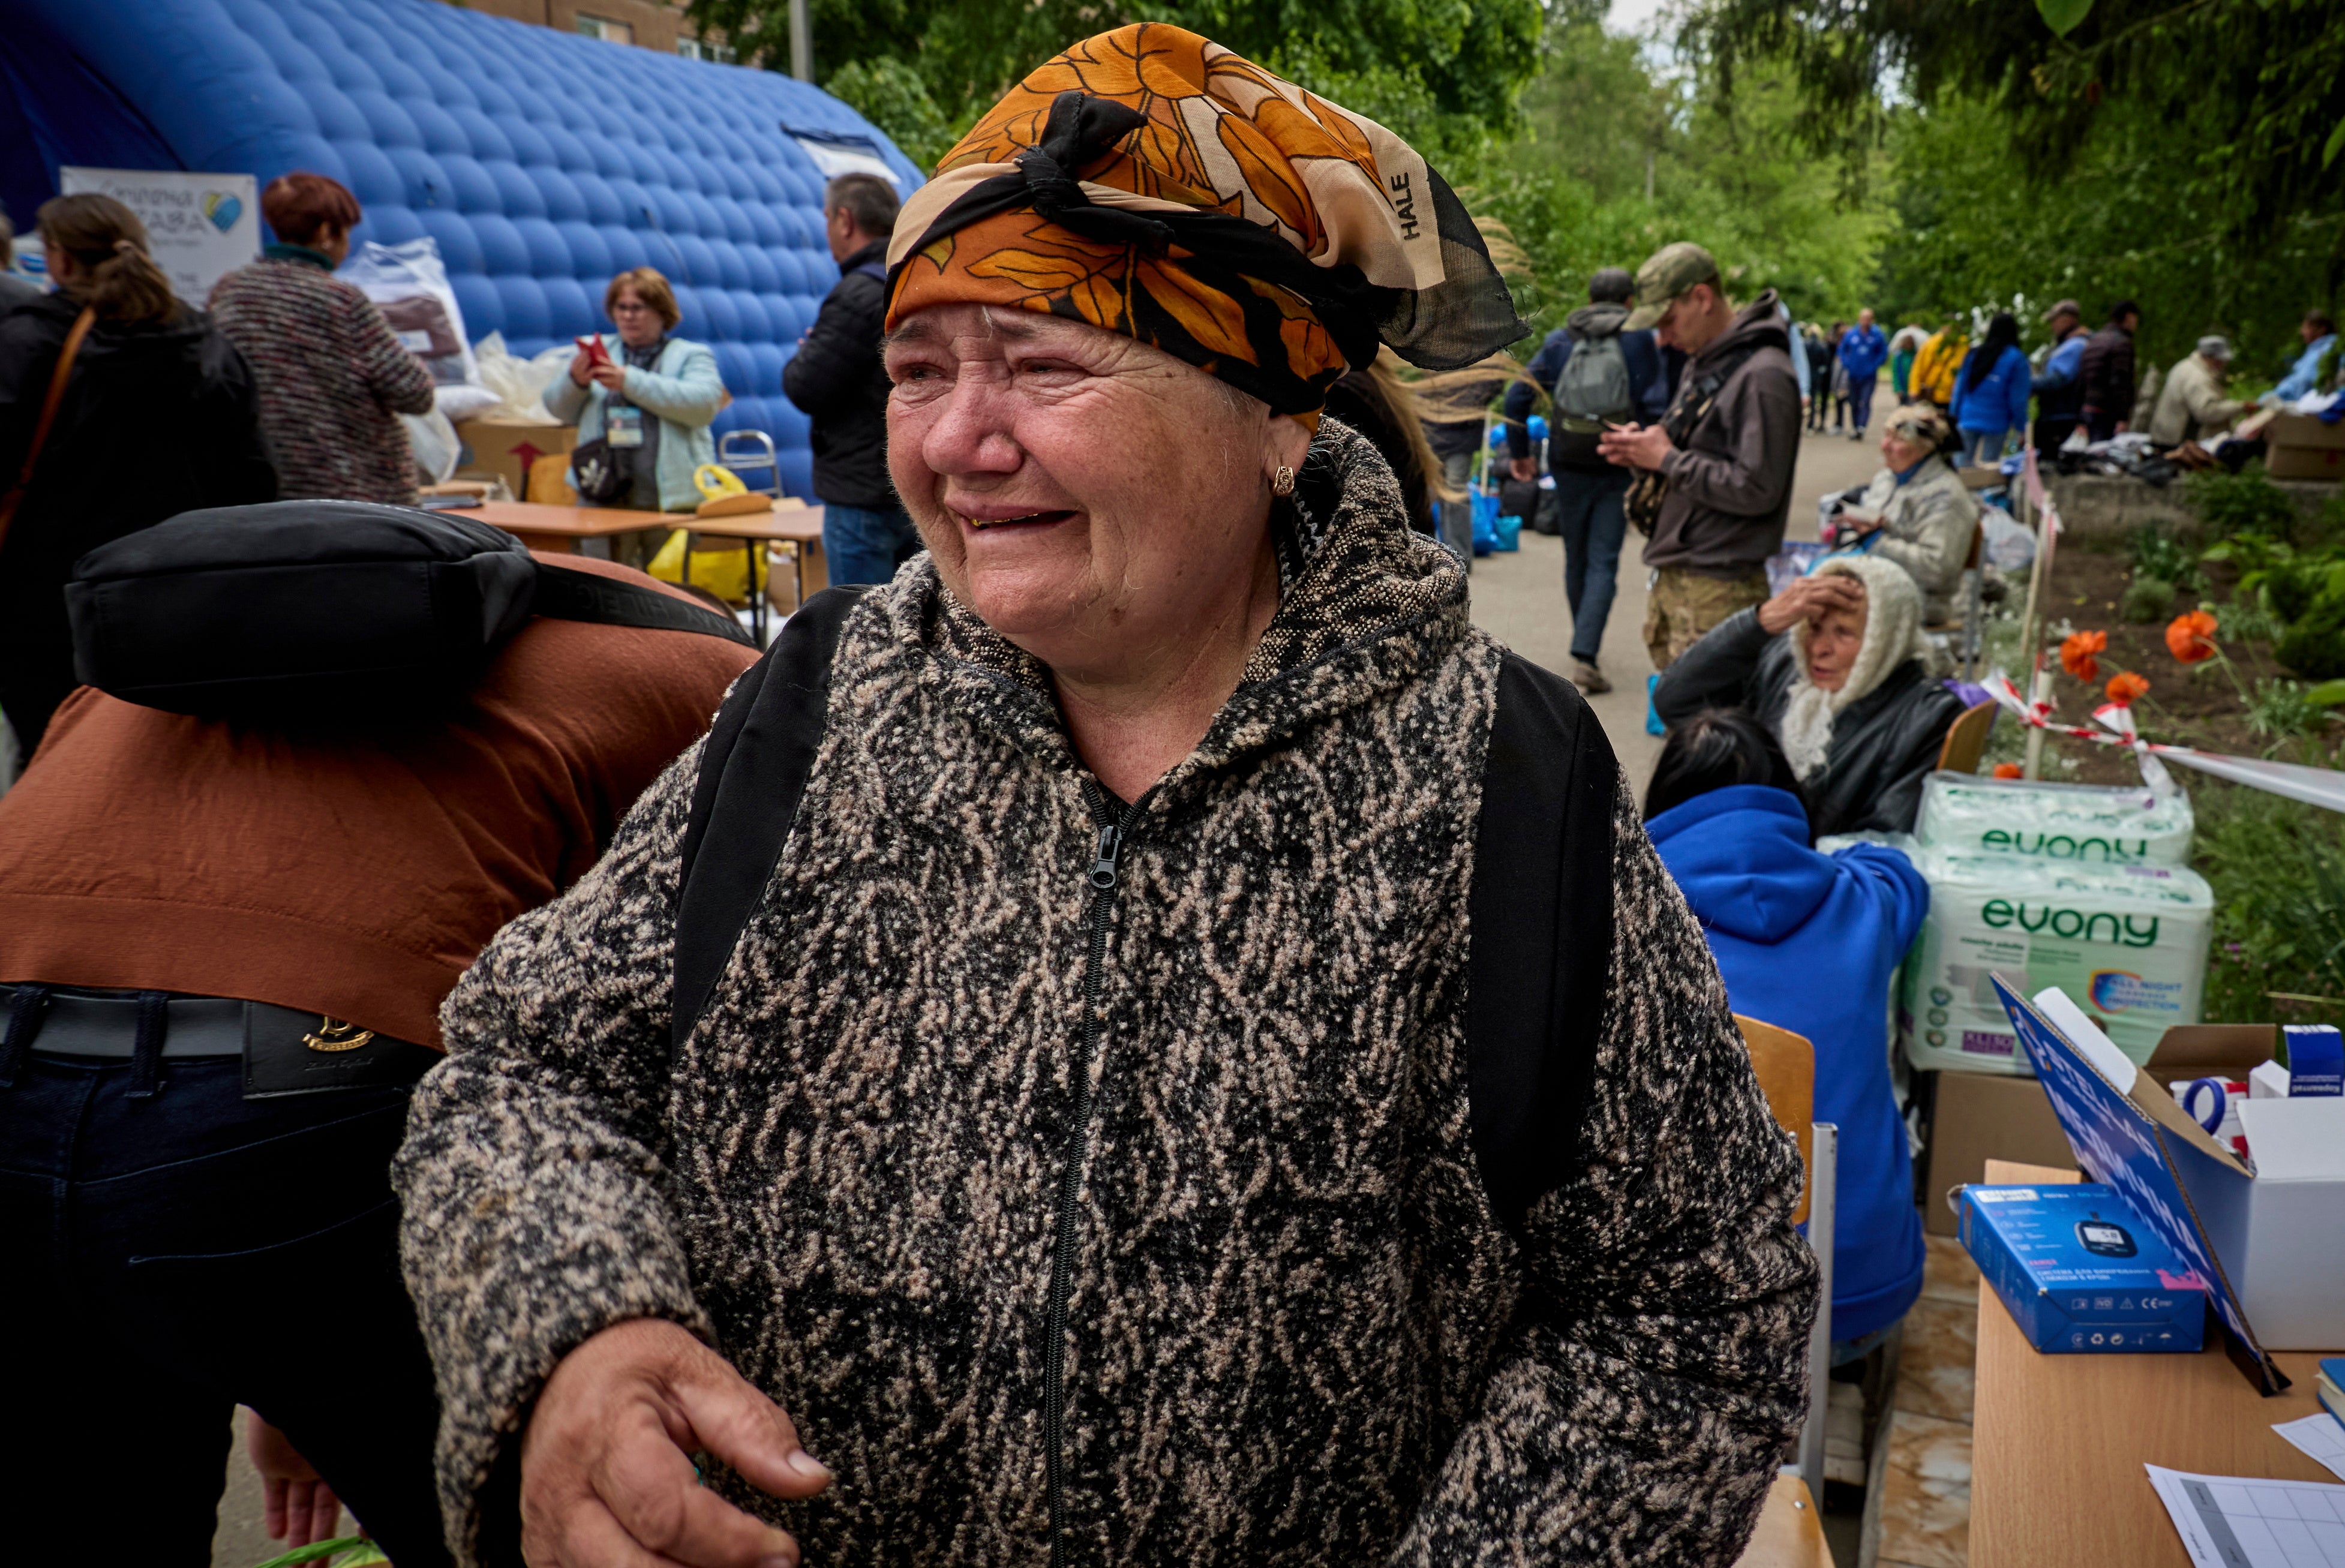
(698, 49)
(603, 27)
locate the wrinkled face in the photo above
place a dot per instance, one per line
(1085, 494)
(1899, 453)
(639, 325)
(1833, 639)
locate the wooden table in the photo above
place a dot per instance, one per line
(558, 529)
(2058, 1443)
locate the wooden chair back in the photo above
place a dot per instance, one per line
(1786, 1064)
(1966, 739)
(549, 481)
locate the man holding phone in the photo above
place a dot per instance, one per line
(1712, 483)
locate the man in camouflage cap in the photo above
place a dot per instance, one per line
(1721, 461)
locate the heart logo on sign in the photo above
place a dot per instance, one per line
(223, 209)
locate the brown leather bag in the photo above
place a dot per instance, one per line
(15, 496)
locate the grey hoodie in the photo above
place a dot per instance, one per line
(1730, 477)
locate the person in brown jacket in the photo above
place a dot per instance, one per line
(1724, 454)
(2108, 372)
(191, 910)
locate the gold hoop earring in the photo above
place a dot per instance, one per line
(1283, 481)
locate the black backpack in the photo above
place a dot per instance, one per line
(1539, 966)
(299, 613)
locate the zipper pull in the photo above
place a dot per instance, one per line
(1102, 872)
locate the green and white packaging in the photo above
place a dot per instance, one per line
(2127, 941)
(2082, 825)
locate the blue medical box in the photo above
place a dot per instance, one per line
(2079, 1272)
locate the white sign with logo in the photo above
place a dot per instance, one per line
(199, 225)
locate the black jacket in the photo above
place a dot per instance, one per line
(836, 380)
(1882, 746)
(158, 420)
(2108, 372)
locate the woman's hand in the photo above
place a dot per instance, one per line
(606, 1475)
(612, 376)
(297, 1505)
(1808, 598)
(581, 367)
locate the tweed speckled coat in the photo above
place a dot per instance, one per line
(1295, 1331)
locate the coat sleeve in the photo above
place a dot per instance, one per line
(1544, 367)
(1890, 879)
(398, 379)
(1652, 1378)
(1753, 476)
(2017, 389)
(835, 363)
(530, 1179)
(237, 467)
(691, 397)
(1716, 672)
(1933, 540)
(564, 399)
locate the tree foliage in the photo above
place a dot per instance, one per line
(1441, 73)
(2253, 90)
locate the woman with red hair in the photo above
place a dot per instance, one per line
(333, 377)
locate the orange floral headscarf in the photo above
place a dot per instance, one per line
(1155, 184)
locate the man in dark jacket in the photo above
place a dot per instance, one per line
(1723, 456)
(1626, 386)
(836, 380)
(2107, 373)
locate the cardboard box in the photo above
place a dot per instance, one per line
(2298, 446)
(2080, 1273)
(2270, 1242)
(504, 449)
(1979, 1117)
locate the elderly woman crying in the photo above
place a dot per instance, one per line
(1148, 1038)
(1836, 666)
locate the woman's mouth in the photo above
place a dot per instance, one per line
(1021, 519)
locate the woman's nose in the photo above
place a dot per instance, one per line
(970, 430)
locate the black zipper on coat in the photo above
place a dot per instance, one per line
(1101, 879)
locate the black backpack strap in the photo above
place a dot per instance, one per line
(753, 769)
(1538, 972)
(569, 595)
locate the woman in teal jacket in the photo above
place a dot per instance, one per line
(652, 400)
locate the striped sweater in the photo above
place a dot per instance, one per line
(332, 381)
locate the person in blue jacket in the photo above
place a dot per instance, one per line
(2319, 335)
(2059, 387)
(1807, 942)
(1991, 392)
(1864, 349)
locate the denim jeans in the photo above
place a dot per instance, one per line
(1457, 516)
(1592, 508)
(860, 546)
(1981, 448)
(172, 1258)
(1860, 398)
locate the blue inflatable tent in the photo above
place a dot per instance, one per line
(542, 162)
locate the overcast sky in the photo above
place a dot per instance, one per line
(1631, 16)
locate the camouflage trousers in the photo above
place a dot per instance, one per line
(1682, 605)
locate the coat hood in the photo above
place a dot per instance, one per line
(1600, 320)
(1741, 856)
(1758, 324)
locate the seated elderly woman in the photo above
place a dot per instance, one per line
(1916, 512)
(1835, 665)
(1172, 1043)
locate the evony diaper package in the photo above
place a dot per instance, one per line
(2052, 884)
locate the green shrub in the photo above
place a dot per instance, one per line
(2314, 645)
(2242, 502)
(2283, 709)
(2162, 556)
(2245, 621)
(2278, 868)
(2146, 599)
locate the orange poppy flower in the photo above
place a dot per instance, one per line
(2008, 771)
(2126, 686)
(2077, 654)
(2191, 638)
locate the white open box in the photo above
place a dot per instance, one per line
(2273, 1238)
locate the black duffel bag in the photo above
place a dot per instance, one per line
(307, 612)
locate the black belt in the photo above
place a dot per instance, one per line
(284, 1052)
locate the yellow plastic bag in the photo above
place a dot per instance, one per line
(722, 568)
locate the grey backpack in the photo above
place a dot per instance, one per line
(1592, 391)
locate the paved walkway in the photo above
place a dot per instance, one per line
(1518, 599)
